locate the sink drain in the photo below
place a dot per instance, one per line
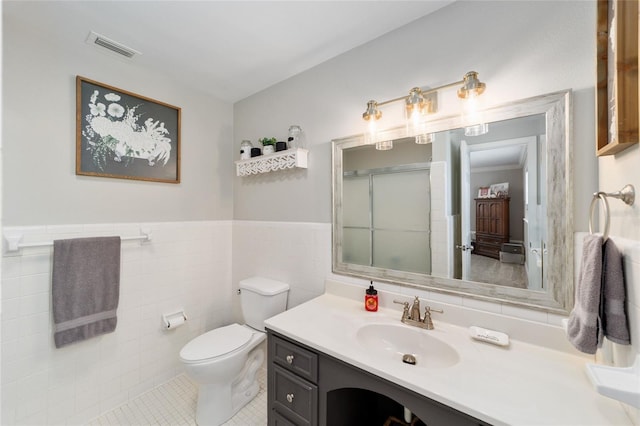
(409, 359)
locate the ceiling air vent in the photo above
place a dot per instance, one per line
(114, 46)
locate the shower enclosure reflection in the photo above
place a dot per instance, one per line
(386, 207)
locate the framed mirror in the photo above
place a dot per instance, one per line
(486, 216)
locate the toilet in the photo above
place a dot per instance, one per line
(224, 361)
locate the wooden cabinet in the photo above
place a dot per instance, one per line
(492, 226)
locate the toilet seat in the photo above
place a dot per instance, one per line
(216, 343)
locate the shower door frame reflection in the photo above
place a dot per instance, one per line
(418, 259)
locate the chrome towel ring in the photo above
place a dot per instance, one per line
(626, 194)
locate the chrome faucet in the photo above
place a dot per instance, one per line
(413, 317)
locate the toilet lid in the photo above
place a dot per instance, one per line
(215, 343)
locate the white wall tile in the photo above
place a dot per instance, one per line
(482, 305)
(31, 284)
(73, 384)
(11, 288)
(190, 266)
(523, 313)
(296, 253)
(11, 267)
(630, 250)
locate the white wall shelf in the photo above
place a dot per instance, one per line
(622, 384)
(282, 160)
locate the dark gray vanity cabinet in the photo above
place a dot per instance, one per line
(306, 387)
(292, 390)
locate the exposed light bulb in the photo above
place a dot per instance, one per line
(425, 138)
(473, 116)
(415, 111)
(372, 131)
(372, 114)
(384, 145)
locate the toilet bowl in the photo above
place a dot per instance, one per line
(224, 362)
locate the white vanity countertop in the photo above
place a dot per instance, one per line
(522, 384)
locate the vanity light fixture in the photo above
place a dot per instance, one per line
(421, 102)
(471, 111)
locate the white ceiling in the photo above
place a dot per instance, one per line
(230, 49)
(503, 158)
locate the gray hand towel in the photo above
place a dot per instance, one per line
(85, 288)
(584, 321)
(614, 317)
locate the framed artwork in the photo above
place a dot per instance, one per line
(483, 192)
(499, 190)
(617, 76)
(123, 135)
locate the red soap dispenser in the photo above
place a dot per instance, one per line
(371, 299)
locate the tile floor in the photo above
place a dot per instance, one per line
(174, 403)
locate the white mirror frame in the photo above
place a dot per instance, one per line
(559, 271)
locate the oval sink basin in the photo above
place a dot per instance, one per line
(395, 341)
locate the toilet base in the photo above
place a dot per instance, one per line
(217, 403)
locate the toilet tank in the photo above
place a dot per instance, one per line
(260, 299)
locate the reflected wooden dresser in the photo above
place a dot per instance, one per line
(492, 226)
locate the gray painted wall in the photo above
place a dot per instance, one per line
(514, 57)
(520, 49)
(40, 185)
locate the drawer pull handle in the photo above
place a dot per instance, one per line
(289, 360)
(290, 397)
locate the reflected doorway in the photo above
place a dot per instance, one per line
(499, 227)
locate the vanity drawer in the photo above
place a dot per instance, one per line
(298, 360)
(294, 398)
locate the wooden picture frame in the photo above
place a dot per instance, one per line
(123, 135)
(499, 190)
(483, 192)
(617, 76)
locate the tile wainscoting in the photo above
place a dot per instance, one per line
(292, 252)
(190, 265)
(187, 265)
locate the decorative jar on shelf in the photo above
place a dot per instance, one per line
(245, 150)
(296, 137)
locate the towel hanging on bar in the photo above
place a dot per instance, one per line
(85, 288)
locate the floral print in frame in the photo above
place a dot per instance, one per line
(123, 135)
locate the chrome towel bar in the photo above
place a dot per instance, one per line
(14, 244)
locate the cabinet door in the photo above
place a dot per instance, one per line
(482, 217)
(294, 397)
(496, 212)
(280, 420)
